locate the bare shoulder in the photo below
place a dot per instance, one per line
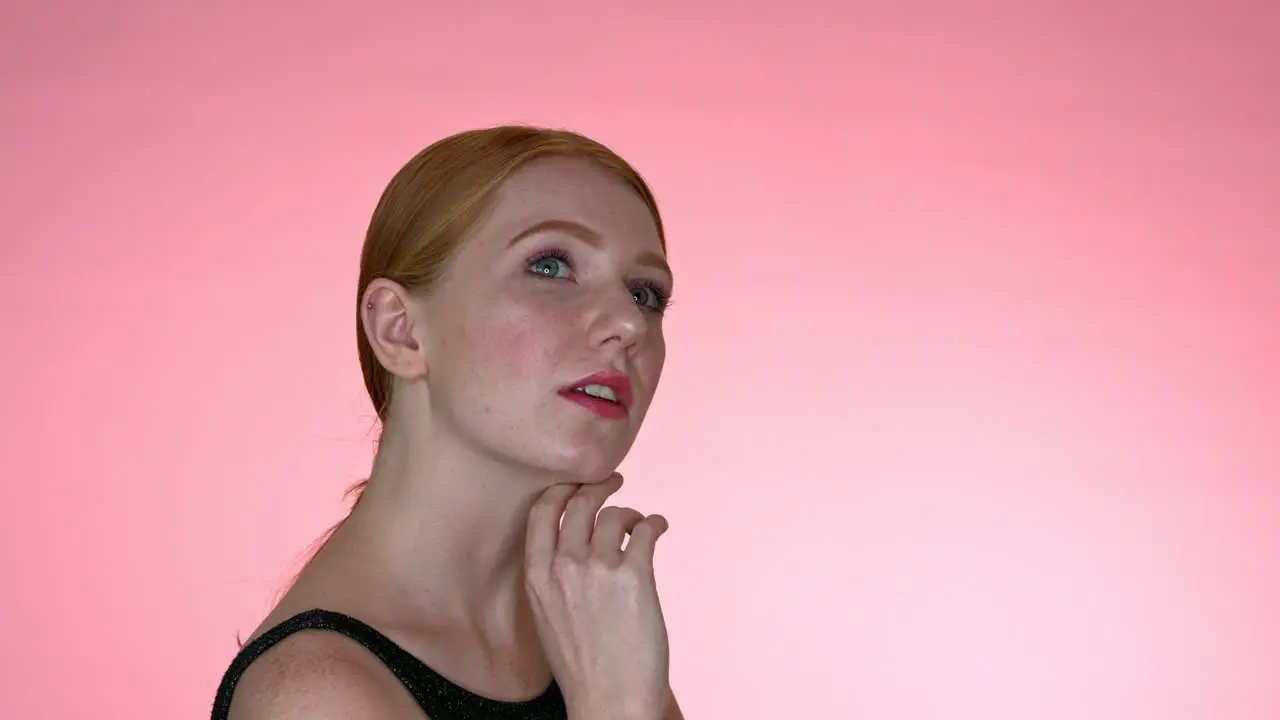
(320, 675)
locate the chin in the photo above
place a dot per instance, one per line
(558, 456)
(586, 466)
(585, 473)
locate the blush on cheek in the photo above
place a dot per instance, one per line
(517, 347)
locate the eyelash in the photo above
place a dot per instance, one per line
(661, 294)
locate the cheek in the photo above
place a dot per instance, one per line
(516, 346)
(649, 365)
(503, 357)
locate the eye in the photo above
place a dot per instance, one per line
(551, 264)
(651, 296)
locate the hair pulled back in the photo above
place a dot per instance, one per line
(438, 197)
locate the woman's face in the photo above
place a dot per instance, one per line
(544, 341)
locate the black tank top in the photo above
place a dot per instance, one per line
(438, 698)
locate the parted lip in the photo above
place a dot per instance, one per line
(619, 383)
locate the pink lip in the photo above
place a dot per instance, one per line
(617, 382)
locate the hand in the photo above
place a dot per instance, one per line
(596, 605)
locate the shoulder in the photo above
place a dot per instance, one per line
(319, 675)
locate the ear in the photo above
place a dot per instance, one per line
(388, 314)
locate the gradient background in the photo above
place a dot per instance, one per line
(973, 402)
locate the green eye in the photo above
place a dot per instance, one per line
(651, 296)
(550, 266)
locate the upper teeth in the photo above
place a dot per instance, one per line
(600, 391)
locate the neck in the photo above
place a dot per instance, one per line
(439, 534)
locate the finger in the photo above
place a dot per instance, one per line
(612, 526)
(580, 513)
(644, 539)
(543, 533)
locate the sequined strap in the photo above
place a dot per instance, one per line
(439, 698)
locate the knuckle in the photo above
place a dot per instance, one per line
(632, 576)
(565, 565)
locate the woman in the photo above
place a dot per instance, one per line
(511, 293)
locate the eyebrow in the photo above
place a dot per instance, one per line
(588, 236)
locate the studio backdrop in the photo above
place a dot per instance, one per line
(972, 401)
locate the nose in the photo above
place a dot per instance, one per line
(617, 320)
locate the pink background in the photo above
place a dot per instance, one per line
(973, 402)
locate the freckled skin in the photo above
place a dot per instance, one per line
(515, 338)
(435, 553)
